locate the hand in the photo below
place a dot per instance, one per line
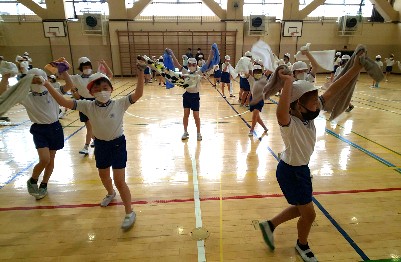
(6, 76)
(356, 63)
(169, 51)
(285, 77)
(304, 52)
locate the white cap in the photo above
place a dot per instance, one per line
(18, 58)
(191, 60)
(52, 77)
(300, 87)
(227, 57)
(83, 59)
(161, 57)
(1, 57)
(201, 56)
(26, 53)
(37, 72)
(287, 55)
(184, 57)
(248, 54)
(257, 67)
(338, 53)
(379, 56)
(299, 65)
(93, 78)
(346, 57)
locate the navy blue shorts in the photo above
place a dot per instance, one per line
(217, 74)
(111, 153)
(389, 68)
(147, 71)
(191, 100)
(48, 135)
(82, 117)
(335, 69)
(244, 84)
(225, 77)
(295, 183)
(257, 106)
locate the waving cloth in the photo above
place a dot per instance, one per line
(215, 59)
(243, 65)
(340, 101)
(15, 94)
(323, 58)
(8, 68)
(264, 89)
(263, 51)
(169, 64)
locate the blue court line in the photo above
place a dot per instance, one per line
(12, 127)
(324, 211)
(33, 162)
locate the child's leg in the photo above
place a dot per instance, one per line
(260, 121)
(287, 214)
(197, 120)
(123, 189)
(248, 97)
(50, 166)
(104, 175)
(244, 97)
(240, 95)
(305, 221)
(88, 132)
(231, 89)
(222, 88)
(44, 160)
(255, 116)
(185, 118)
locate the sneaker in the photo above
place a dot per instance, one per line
(349, 109)
(267, 234)
(129, 221)
(32, 188)
(231, 95)
(306, 255)
(224, 96)
(93, 144)
(61, 115)
(107, 199)
(250, 134)
(84, 151)
(185, 136)
(266, 130)
(41, 193)
(199, 137)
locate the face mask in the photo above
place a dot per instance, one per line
(38, 88)
(257, 76)
(102, 96)
(192, 68)
(301, 76)
(310, 115)
(87, 71)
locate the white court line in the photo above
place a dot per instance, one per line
(198, 213)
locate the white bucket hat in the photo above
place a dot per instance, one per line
(248, 54)
(299, 65)
(300, 87)
(83, 59)
(93, 78)
(227, 57)
(37, 72)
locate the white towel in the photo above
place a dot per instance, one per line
(325, 59)
(8, 68)
(15, 94)
(263, 51)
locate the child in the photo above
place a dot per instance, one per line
(257, 107)
(201, 61)
(244, 85)
(148, 77)
(110, 146)
(23, 66)
(226, 76)
(337, 60)
(81, 92)
(53, 80)
(160, 65)
(298, 106)
(47, 132)
(216, 75)
(185, 61)
(380, 64)
(389, 65)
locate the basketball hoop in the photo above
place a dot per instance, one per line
(51, 34)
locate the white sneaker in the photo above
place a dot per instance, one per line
(42, 192)
(185, 136)
(61, 115)
(199, 137)
(107, 199)
(92, 144)
(84, 151)
(250, 134)
(267, 234)
(306, 255)
(129, 221)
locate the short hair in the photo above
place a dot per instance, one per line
(84, 64)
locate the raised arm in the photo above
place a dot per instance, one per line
(312, 60)
(283, 108)
(140, 82)
(344, 80)
(60, 99)
(68, 82)
(4, 83)
(109, 73)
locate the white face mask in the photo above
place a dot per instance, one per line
(38, 88)
(87, 71)
(192, 68)
(301, 76)
(102, 96)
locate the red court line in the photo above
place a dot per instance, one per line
(166, 201)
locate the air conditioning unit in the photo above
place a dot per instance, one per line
(93, 23)
(348, 25)
(257, 25)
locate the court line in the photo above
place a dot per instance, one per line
(184, 200)
(65, 139)
(328, 216)
(198, 212)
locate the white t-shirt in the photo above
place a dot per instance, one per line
(337, 61)
(42, 108)
(80, 83)
(389, 62)
(192, 79)
(379, 63)
(24, 65)
(107, 121)
(299, 140)
(338, 70)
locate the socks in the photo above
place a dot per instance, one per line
(33, 181)
(271, 225)
(43, 185)
(86, 146)
(302, 247)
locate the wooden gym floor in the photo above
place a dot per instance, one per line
(356, 171)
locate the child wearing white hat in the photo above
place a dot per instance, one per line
(226, 75)
(107, 120)
(389, 65)
(380, 64)
(336, 64)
